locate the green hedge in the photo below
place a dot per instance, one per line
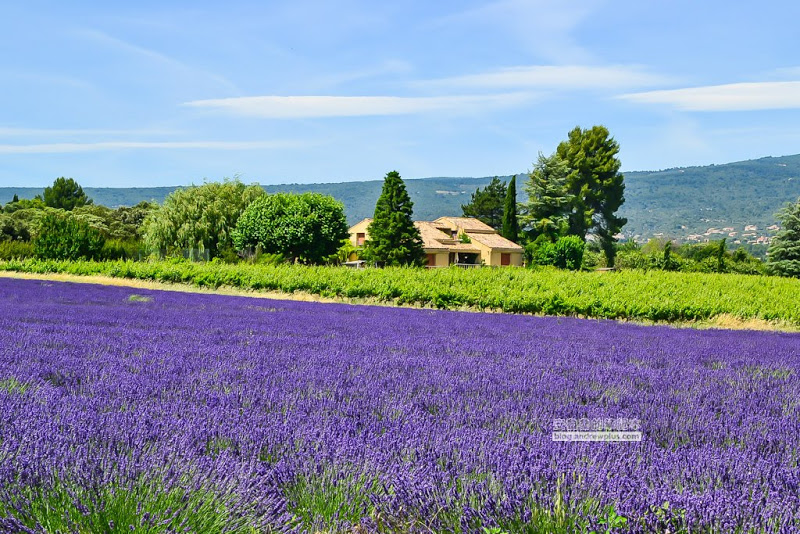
(641, 295)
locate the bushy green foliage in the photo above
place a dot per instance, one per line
(198, 217)
(23, 224)
(308, 227)
(13, 228)
(668, 262)
(393, 238)
(120, 226)
(342, 254)
(124, 223)
(65, 194)
(565, 253)
(593, 259)
(784, 251)
(15, 249)
(631, 294)
(23, 204)
(487, 204)
(703, 257)
(64, 237)
(117, 249)
(130, 220)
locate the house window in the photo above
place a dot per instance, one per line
(505, 258)
(431, 260)
(360, 238)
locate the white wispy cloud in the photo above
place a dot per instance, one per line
(55, 132)
(178, 67)
(728, 97)
(62, 148)
(294, 107)
(553, 77)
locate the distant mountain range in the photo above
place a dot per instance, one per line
(689, 203)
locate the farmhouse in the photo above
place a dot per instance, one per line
(454, 241)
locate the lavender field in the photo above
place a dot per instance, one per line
(126, 410)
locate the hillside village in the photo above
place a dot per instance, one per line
(750, 234)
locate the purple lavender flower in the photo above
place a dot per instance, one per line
(223, 414)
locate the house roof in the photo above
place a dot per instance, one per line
(366, 221)
(495, 241)
(464, 247)
(432, 238)
(468, 224)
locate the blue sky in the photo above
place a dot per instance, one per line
(152, 93)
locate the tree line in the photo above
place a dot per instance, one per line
(573, 196)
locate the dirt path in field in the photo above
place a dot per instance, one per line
(725, 321)
(164, 286)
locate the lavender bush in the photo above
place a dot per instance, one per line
(129, 410)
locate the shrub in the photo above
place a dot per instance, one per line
(15, 250)
(565, 253)
(635, 259)
(569, 252)
(593, 259)
(116, 249)
(63, 237)
(668, 261)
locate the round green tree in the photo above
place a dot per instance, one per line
(65, 237)
(305, 227)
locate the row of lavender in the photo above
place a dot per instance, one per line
(167, 412)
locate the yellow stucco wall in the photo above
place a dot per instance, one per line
(358, 228)
(516, 259)
(442, 258)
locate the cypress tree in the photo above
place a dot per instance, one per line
(510, 223)
(393, 238)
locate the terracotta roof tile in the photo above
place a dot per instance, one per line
(468, 224)
(431, 237)
(495, 241)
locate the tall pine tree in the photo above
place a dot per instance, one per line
(510, 223)
(393, 238)
(596, 185)
(784, 250)
(545, 212)
(486, 204)
(65, 194)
